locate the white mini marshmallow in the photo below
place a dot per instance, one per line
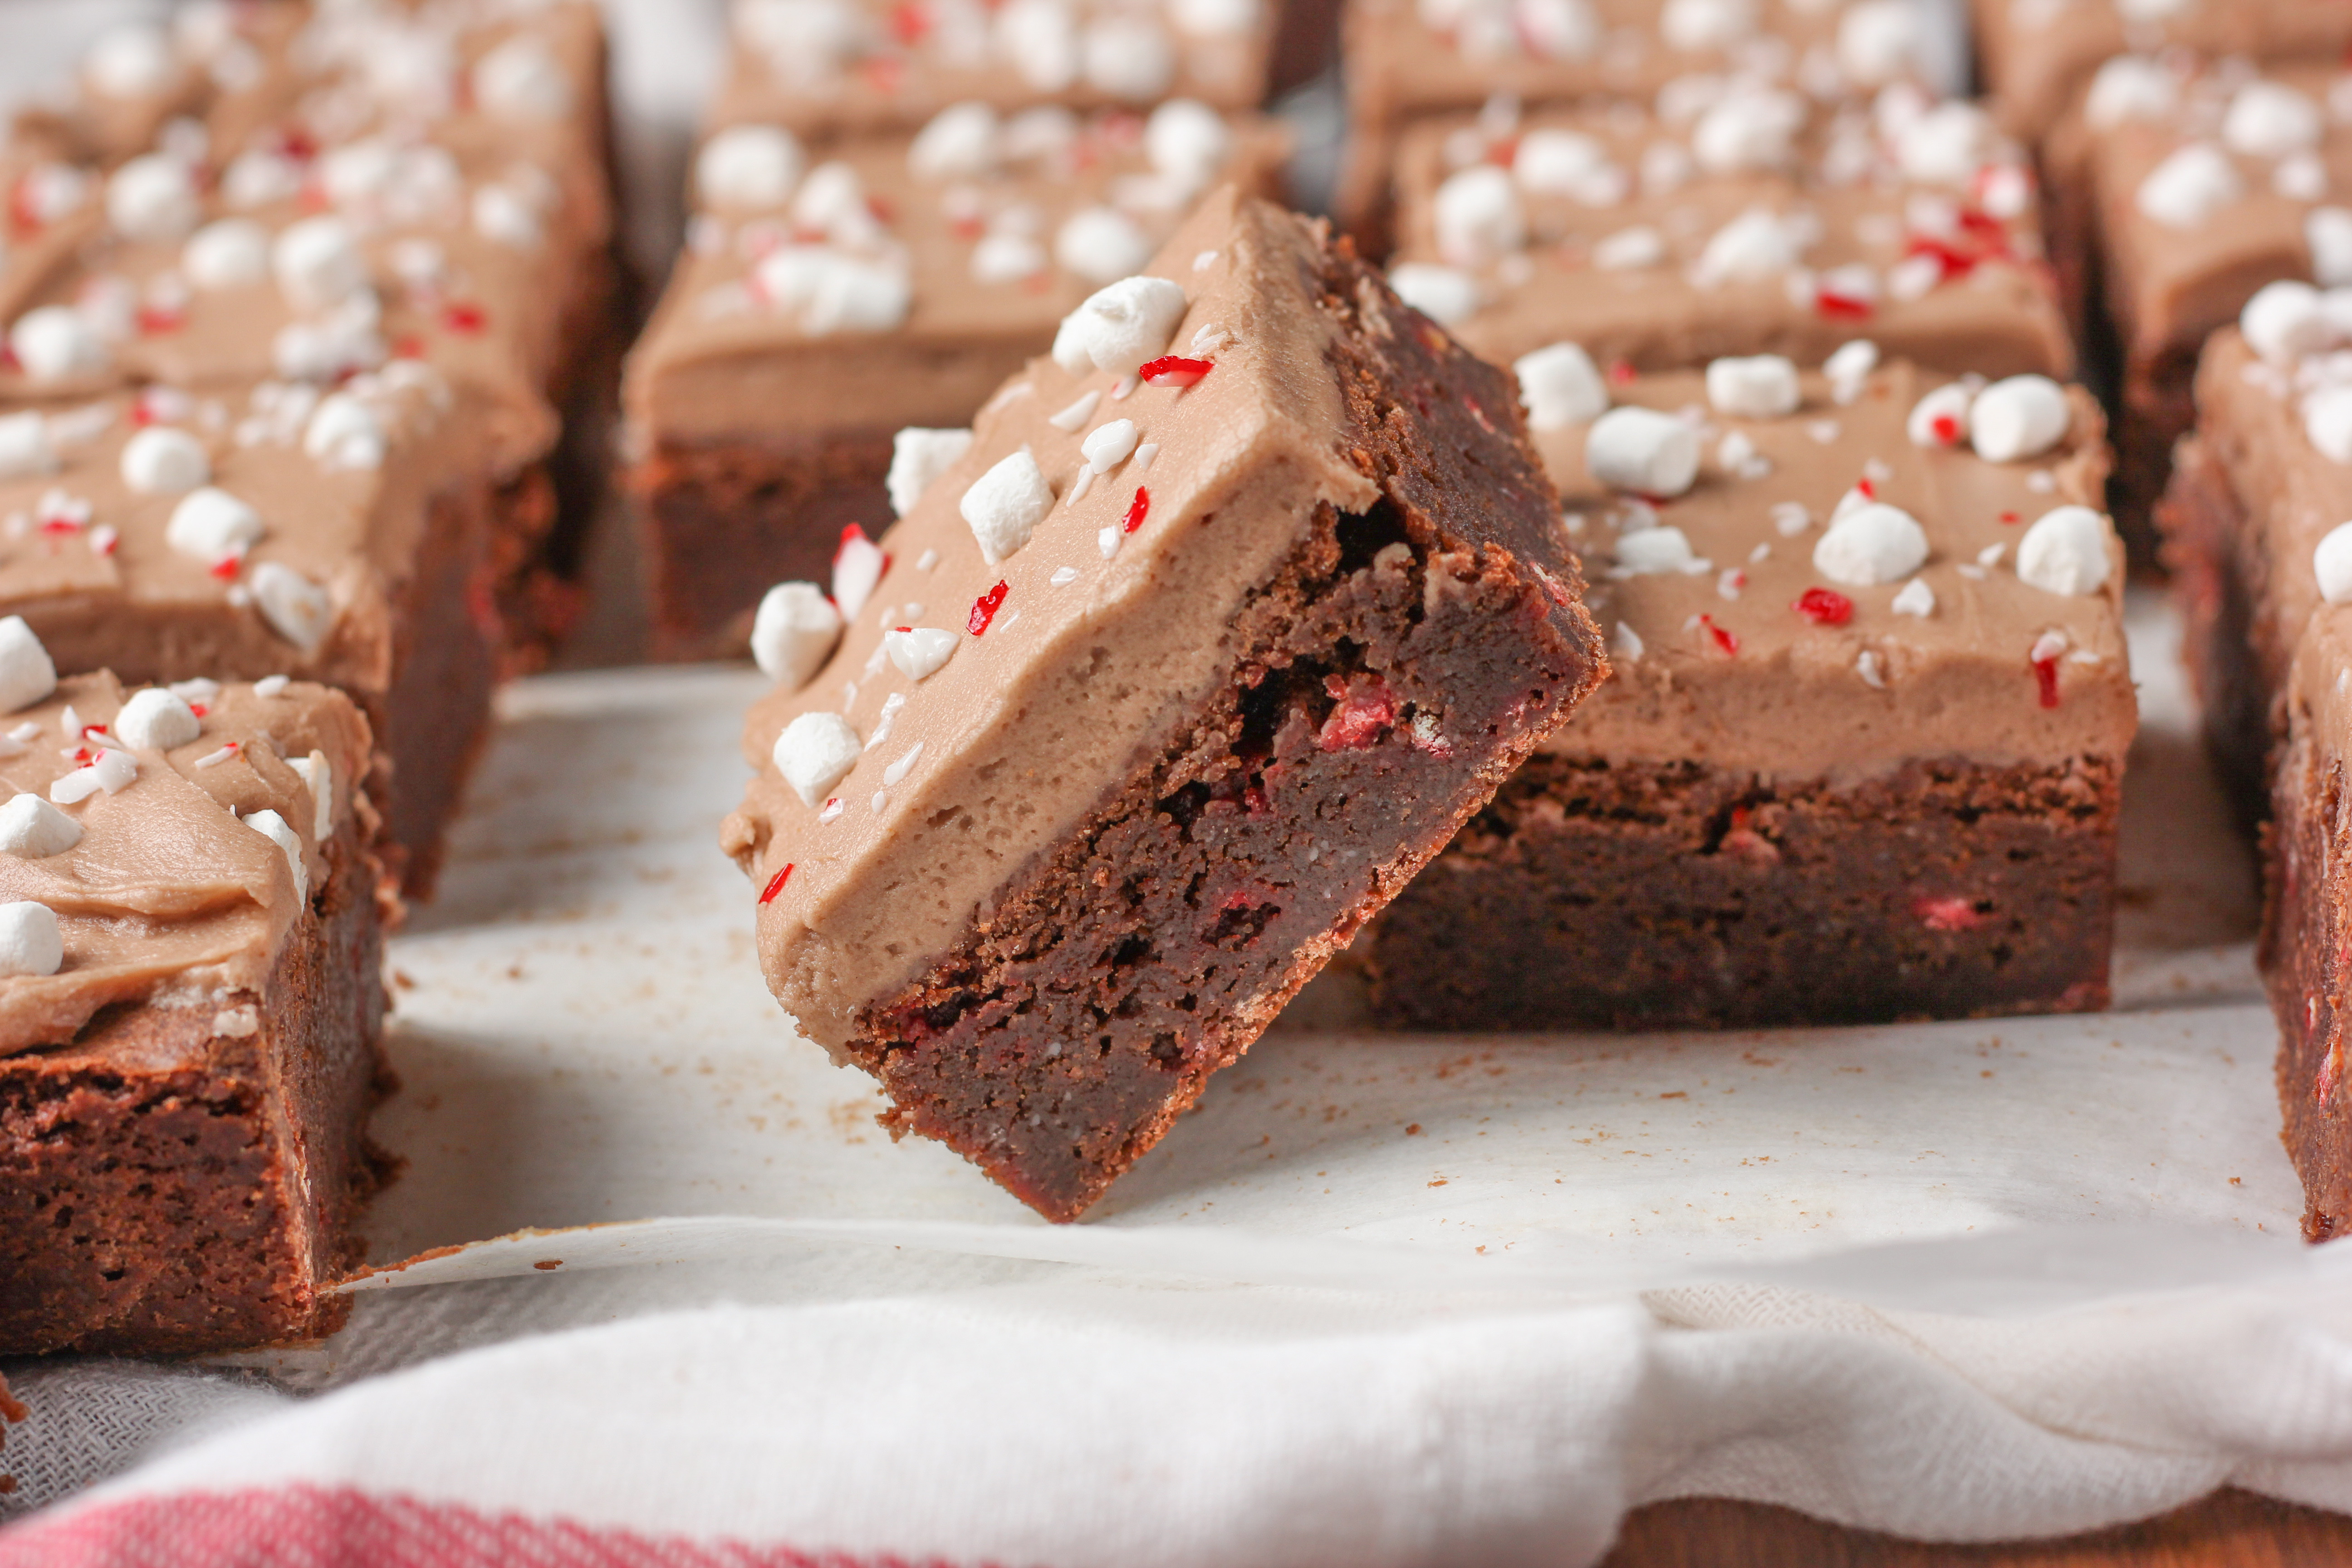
(153, 199)
(1101, 244)
(155, 721)
(794, 633)
(1188, 142)
(2130, 87)
(33, 829)
(1630, 249)
(162, 461)
(2187, 188)
(1849, 367)
(296, 608)
(1706, 25)
(960, 141)
(1755, 386)
(1006, 505)
(1946, 145)
(25, 450)
(344, 433)
(2331, 563)
(1214, 18)
(27, 676)
(1560, 385)
(1940, 418)
(1748, 128)
(230, 254)
(919, 651)
(2065, 551)
(31, 942)
(815, 752)
(318, 777)
(1653, 551)
(519, 79)
(1478, 215)
(1106, 445)
(503, 217)
(1755, 246)
(2285, 321)
(278, 831)
(747, 167)
(2018, 417)
(1643, 450)
(1870, 543)
(1556, 29)
(1127, 58)
(1446, 295)
(131, 60)
(2327, 231)
(211, 524)
(2327, 422)
(1120, 326)
(1556, 163)
(919, 456)
(1877, 42)
(2269, 119)
(53, 343)
(318, 263)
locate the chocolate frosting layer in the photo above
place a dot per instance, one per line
(1911, 221)
(1722, 666)
(724, 358)
(1110, 621)
(170, 898)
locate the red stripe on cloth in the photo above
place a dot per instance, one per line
(330, 1527)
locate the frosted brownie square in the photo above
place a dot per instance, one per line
(1731, 218)
(1860, 756)
(828, 300)
(1229, 614)
(190, 1009)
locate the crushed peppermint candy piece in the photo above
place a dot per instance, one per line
(857, 566)
(776, 883)
(1108, 445)
(2044, 655)
(891, 707)
(832, 808)
(1915, 599)
(1940, 418)
(1866, 665)
(1063, 576)
(984, 608)
(919, 651)
(271, 685)
(1077, 413)
(1175, 370)
(898, 771)
(1106, 541)
(227, 752)
(1825, 606)
(1625, 643)
(1137, 510)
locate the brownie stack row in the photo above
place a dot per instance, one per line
(311, 321)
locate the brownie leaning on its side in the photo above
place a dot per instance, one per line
(1230, 614)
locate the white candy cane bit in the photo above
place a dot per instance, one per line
(1759, 554)
(880, 803)
(1080, 485)
(1625, 643)
(1972, 572)
(1915, 599)
(927, 560)
(1866, 665)
(1790, 518)
(115, 771)
(1207, 341)
(1824, 431)
(1063, 576)
(832, 810)
(213, 759)
(2048, 646)
(2041, 482)
(24, 732)
(1106, 541)
(1077, 413)
(1143, 456)
(918, 652)
(271, 685)
(1203, 261)
(1990, 554)
(889, 716)
(1126, 388)
(899, 770)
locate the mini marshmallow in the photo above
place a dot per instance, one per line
(1643, 450)
(857, 296)
(1120, 327)
(960, 142)
(2328, 232)
(747, 167)
(2065, 551)
(1006, 259)
(2327, 422)
(318, 777)
(1101, 243)
(2018, 417)
(1652, 552)
(1849, 367)
(794, 633)
(1876, 42)
(1556, 29)
(919, 456)
(155, 720)
(857, 564)
(1551, 162)
(519, 79)
(1749, 129)
(33, 829)
(318, 263)
(27, 676)
(1560, 385)
(2285, 321)
(503, 217)
(1630, 249)
(1706, 25)
(1945, 146)
(162, 461)
(131, 60)
(1869, 545)
(1755, 246)
(1915, 598)
(211, 524)
(31, 942)
(1446, 295)
(2130, 87)
(2187, 188)
(230, 254)
(276, 828)
(1108, 446)
(152, 199)
(1006, 505)
(25, 450)
(1187, 141)
(919, 651)
(2331, 563)
(1477, 216)
(1213, 18)
(1757, 386)
(344, 433)
(815, 752)
(2269, 119)
(52, 343)
(296, 608)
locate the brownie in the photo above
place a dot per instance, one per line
(2199, 185)
(833, 69)
(1107, 767)
(828, 300)
(1731, 220)
(1411, 60)
(190, 1009)
(1860, 758)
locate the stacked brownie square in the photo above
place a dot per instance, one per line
(295, 302)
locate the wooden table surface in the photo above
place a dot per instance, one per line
(2224, 1531)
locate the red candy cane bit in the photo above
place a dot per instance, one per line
(776, 884)
(197, 709)
(462, 317)
(1840, 307)
(2045, 677)
(984, 608)
(1724, 638)
(1175, 370)
(1825, 606)
(1945, 428)
(1137, 510)
(1866, 488)
(1948, 914)
(2012, 519)
(227, 567)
